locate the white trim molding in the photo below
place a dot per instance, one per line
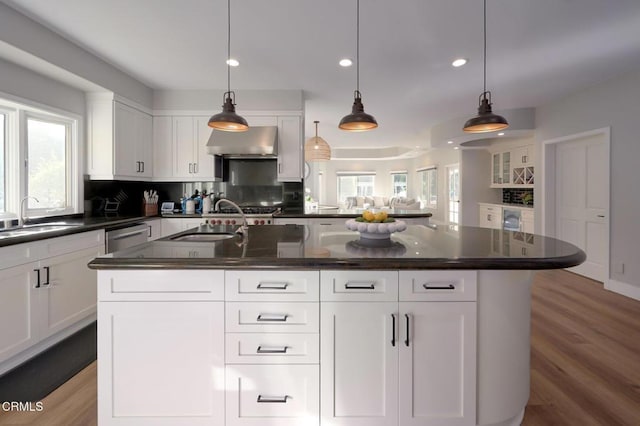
(625, 289)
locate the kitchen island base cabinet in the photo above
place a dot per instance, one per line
(273, 395)
(161, 348)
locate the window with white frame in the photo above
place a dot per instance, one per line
(38, 160)
(399, 183)
(355, 184)
(428, 181)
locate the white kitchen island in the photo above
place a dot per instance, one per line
(273, 329)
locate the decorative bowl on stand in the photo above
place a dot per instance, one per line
(374, 230)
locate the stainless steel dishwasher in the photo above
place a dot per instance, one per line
(120, 239)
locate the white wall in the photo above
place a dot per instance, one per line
(27, 35)
(26, 84)
(475, 181)
(615, 103)
(211, 100)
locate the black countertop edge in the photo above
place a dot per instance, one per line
(85, 224)
(337, 263)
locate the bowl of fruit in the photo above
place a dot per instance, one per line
(375, 225)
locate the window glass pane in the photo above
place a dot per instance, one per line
(399, 184)
(46, 174)
(2, 151)
(353, 185)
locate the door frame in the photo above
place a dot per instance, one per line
(447, 183)
(548, 222)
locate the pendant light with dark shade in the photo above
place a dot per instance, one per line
(316, 148)
(228, 120)
(486, 121)
(358, 120)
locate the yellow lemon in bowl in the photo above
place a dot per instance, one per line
(368, 216)
(380, 216)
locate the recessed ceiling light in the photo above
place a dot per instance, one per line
(501, 134)
(346, 62)
(449, 142)
(459, 62)
(456, 147)
(232, 62)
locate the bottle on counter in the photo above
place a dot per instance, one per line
(207, 204)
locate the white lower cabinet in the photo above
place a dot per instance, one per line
(437, 371)
(165, 363)
(273, 395)
(359, 359)
(52, 293)
(405, 362)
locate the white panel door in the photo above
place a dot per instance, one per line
(437, 363)
(144, 143)
(160, 361)
(359, 359)
(163, 148)
(20, 309)
(125, 134)
(70, 289)
(203, 160)
(582, 201)
(289, 149)
(183, 138)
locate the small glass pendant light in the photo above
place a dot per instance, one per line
(316, 148)
(228, 120)
(358, 120)
(486, 121)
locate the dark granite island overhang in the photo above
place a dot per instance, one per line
(450, 306)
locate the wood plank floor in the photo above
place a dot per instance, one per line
(585, 362)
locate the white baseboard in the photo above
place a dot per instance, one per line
(624, 289)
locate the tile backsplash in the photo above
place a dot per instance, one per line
(522, 196)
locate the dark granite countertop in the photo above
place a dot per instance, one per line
(334, 247)
(80, 224)
(351, 213)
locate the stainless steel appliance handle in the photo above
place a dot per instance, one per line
(127, 235)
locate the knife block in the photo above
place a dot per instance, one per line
(149, 209)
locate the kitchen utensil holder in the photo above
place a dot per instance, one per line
(150, 209)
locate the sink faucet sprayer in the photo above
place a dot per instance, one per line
(22, 219)
(245, 226)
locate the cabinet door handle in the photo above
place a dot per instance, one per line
(275, 350)
(279, 167)
(439, 287)
(275, 399)
(272, 286)
(149, 235)
(142, 162)
(393, 329)
(360, 285)
(37, 278)
(601, 215)
(137, 167)
(46, 281)
(489, 217)
(195, 167)
(272, 317)
(406, 342)
(190, 168)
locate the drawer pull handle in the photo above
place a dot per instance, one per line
(272, 317)
(393, 330)
(276, 399)
(274, 350)
(360, 285)
(438, 287)
(273, 286)
(406, 342)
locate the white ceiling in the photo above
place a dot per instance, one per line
(538, 50)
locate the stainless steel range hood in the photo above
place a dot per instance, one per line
(257, 142)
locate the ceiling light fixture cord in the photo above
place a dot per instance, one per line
(228, 45)
(358, 46)
(485, 49)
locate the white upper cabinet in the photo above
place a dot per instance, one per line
(513, 168)
(290, 149)
(180, 148)
(119, 140)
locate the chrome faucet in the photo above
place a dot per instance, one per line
(245, 225)
(21, 218)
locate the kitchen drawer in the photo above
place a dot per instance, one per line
(438, 286)
(254, 317)
(273, 286)
(272, 348)
(159, 285)
(272, 395)
(363, 286)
